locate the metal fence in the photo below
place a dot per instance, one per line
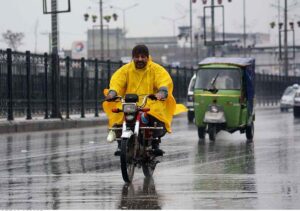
(27, 85)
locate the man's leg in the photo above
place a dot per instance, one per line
(157, 134)
(116, 135)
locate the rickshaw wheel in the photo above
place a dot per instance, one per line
(190, 116)
(250, 131)
(201, 132)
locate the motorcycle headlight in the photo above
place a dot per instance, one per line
(129, 108)
(214, 109)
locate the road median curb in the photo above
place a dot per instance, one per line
(48, 124)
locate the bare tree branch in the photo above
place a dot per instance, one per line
(13, 39)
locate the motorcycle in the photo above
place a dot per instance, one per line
(137, 137)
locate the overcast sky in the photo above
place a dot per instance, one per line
(143, 20)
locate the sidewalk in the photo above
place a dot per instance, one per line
(39, 123)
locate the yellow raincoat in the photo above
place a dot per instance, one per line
(145, 81)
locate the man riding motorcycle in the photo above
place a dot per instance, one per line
(142, 76)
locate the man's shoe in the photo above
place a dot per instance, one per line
(158, 152)
(155, 148)
(118, 152)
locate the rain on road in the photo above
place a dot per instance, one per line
(76, 169)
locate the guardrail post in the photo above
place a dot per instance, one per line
(55, 87)
(120, 63)
(177, 83)
(169, 69)
(96, 88)
(10, 115)
(68, 87)
(28, 85)
(82, 61)
(46, 86)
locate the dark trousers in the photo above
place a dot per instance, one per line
(157, 133)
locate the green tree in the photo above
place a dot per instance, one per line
(13, 39)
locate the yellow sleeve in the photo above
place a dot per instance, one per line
(163, 78)
(118, 80)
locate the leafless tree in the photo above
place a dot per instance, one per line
(13, 39)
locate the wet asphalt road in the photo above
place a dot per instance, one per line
(76, 169)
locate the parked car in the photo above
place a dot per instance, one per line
(297, 104)
(190, 99)
(287, 99)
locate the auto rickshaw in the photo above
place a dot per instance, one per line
(224, 96)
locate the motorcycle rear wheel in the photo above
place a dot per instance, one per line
(127, 159)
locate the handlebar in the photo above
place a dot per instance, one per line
(151, 96)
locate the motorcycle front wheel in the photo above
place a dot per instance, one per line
(148, 168)
(127, 159)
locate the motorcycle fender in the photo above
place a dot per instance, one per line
(211, 117)
(126, 134)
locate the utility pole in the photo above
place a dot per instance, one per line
(191, 30)
(279, 37)
(54, 54)
(286, 61)
(213, 47)
(244, 26)
(55, 60)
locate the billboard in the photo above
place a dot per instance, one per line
(79, 49)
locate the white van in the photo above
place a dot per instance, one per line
(190, 99)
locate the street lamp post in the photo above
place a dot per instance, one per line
(173, 20)
(213, 41)
(191, 27)
(48, 34)
(285, 31)
(124, 21)
(101, 29)
(94, 19)
(244, 26)
(286, 61)
(55, 113)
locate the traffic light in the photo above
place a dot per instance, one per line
(298, 23)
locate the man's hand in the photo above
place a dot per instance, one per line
(162, 94)
(111, 95)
